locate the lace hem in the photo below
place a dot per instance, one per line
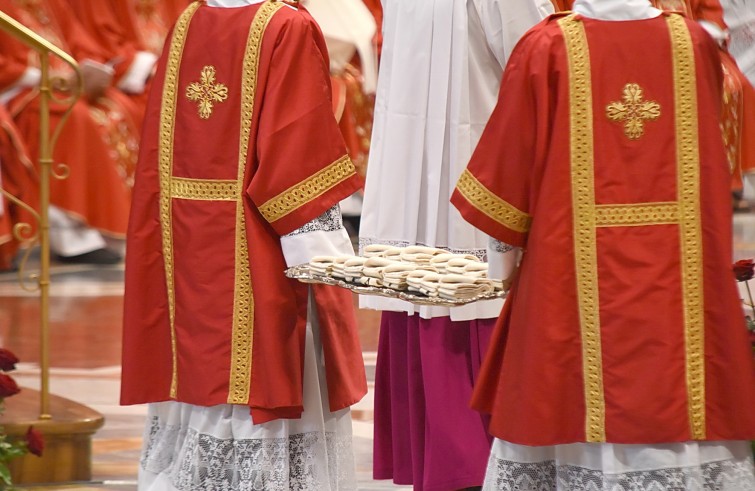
(481, 254)
(161, 445)
(726, 475)
(329, 221)
(304, 461)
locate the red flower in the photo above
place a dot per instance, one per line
(7, 360)
(8, 386)
(744, 269)
(35, 442)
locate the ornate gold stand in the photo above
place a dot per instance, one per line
(66, 425)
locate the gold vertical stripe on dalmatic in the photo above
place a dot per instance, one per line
(585, 232)
(165, 164)
(243, 301)
(690, 228)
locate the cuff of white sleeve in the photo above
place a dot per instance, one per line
(300, 248)
(30, 78)
(715, 31)
(502, 264)
(135, 79)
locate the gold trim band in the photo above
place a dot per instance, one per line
(688, 190)
(491, 205)
(300, 194)
(588, 216)
(632, 215)
(239, 384)
(585, 232)
(208, 189)
(165, 163)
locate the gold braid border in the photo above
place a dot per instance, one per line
(688, 172)
(204, 189)
(313, 187)
(637, 215)
(585, 233)
(165, 164)
(491, 205)
(243, 301)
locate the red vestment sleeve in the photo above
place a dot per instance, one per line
(102, 23)
(709, 10)
(14, 58)
(81, 44)
(562, 5)
(494, 192)
(303, 165)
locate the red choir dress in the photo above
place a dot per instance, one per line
(132, 63)
(149, 20)
(249, 374)
(18, 178)
(99, 142)
(621, 355)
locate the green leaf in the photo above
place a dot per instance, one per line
(5, 475)
(16, 451)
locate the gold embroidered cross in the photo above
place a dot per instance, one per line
(206, 92)
(633, 111)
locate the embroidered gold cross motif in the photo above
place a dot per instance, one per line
(633, 111)
(206, 92)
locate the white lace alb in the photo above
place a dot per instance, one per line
(727, 475)
(194, 461)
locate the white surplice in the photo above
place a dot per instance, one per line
(188, 447)
(686, 466)
(440, 72)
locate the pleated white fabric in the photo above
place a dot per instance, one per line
(190, 447)
(691, 466)
(438, 83)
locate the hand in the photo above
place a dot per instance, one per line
(97, 78)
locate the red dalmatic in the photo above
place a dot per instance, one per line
(604, 161)
(238, 150)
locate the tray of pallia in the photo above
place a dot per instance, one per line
(416, 274)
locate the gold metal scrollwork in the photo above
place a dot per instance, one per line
(48, 94)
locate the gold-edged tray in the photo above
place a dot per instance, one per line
(305, 275)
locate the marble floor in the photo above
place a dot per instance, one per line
(85, 315)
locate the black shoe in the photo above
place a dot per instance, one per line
(98, 256)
